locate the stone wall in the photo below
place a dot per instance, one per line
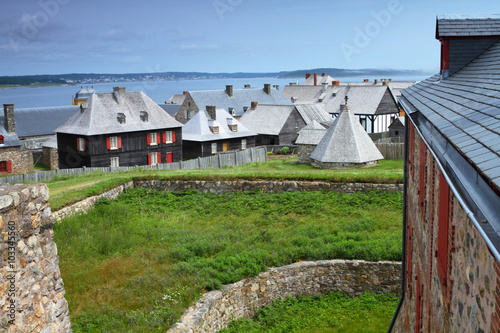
(22, 161)
(465, 298)
(50, 158)
(216, 309)
(31, 288)
(304, 153)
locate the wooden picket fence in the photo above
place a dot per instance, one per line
(218, 161)
(392, 151)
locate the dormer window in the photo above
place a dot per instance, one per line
(232, 124)
(121, 118)
(233, 128)
(232, 111)
(144, 116)
(214, 129)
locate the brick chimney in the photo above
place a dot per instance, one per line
(276, 86)
(229, 91)
(366, 80)
(335, 83)
(308, 76)
(375, 82)
(267, 88)
(315, 79)
(254, 105)
(323, 74)
(211, 110)
(9, 118)
(119, 93)
(247, 86)
(184, 92)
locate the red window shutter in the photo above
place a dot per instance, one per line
(78, 144)
(84, 144)
(149, 139)
(164, 137)
(119, 142)
(9, 166)
(159, 157)
(170, 157)
(173, 136)
(149, 157)
(422, 172)
(442, 246)
(108, 143)
(158, 137)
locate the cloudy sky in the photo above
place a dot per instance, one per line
(137, 36)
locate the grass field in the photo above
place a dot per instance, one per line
(137, 263)
(333, 313)
(68, 190)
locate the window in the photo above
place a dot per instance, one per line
(115, 162)
(121, 118)
(214, 129)
(168, 136)
(189, 114)
(154, 158)
(2, 141)
(243, 144)
(153, 139)
(5, 166)
(144, 116)
(233, 128)
(81, 144)
(362, 121)
(214, 148)
(232, 111)
(114, 142)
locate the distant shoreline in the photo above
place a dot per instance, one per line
(6, 86)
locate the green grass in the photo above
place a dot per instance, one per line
(137, 263)
(65, 190)
(333, 313)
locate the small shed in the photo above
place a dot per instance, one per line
(309, 138)
(345, 145)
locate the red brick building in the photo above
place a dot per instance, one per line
(451, 280)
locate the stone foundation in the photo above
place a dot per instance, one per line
(216, 309)
(21, 161)
(31, 288)
(327, 165)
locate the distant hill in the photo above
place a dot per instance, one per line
(28, 80)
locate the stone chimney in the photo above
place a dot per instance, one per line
(324, 86)
(229, 91)
(276, 86)
(254, 105)
(247, 86)
(267, 88)
(315, 79)
(211, 110)
(119, 93)
(366, 80)
(9, 118)
(308, 76)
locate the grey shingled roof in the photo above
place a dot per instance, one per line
(171, 109)
(10, 139)
(241, 98)
(51, 143)
(467, 25)
(320, 80)
(267, 119)
(311, 134)
(316, 112)
(176, 99)
(465, 108)
(84, 93)
(101, 110)
(346, 142)
(197, 128)
(40, 121)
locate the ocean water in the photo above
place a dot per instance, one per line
(159, 91)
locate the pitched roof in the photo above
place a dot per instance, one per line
(320, 80)
(306, 94)
(467, 25)
(241, 99)
(311, 134)
(41, 121)
(267, 119)
(346, 142)
(314, 112)
(51, 143)
(465, 109)
(84, 93)
(9, 139)
(171, 109)
(100, 113)
(176, 99)
(198, 127)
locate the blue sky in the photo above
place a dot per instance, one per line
(136, 36)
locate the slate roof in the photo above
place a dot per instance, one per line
(321, 79)
(171, 109)
(40, 121)
(306, 94)
(465, 109)
(314, 112)
(101, 111)
(176, 99)
(267, 119)
(51, 143)
(241, 98)
(467, 25)
(10, 139)
(346, 142)
(197, 128)
(84, 93)
(311, 134)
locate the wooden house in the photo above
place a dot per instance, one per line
(119, 129)
(451, 222)
(215, 131)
